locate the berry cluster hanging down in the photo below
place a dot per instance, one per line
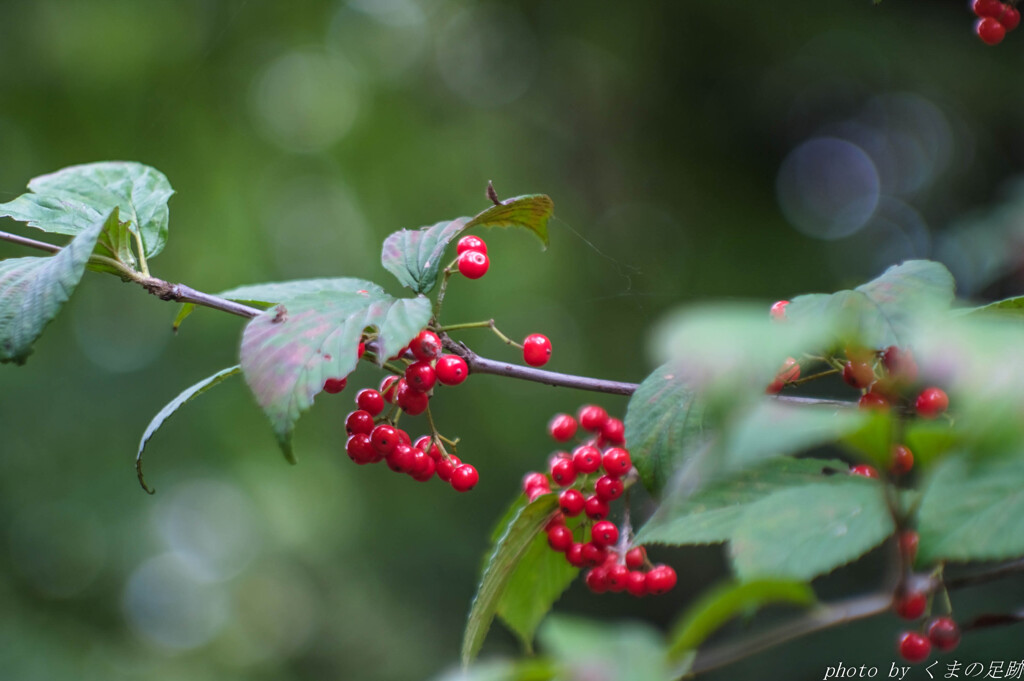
(995, 19)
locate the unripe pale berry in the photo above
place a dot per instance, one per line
(536, 350)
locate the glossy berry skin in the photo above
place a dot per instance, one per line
(617, 577)
(586, 459)
(388, 388)
(873, 400)
(616, 462)
(411, 401)
(864, 470)
(445, 467)
(575, 555)
(562, 427)
(990, 31)
(563, 472)
(660, 579)
(428, 446)
(473, 264)
(359, 421)
(987, 8)
(596, 508)
(370, 401)
(635, 557)
(608, 488)
(593, 554)
(451, 370)
(636, 583)
(384, 438)
(534, 492)
(597, 580)
(426, 346)
(931, 402)
(944, 633)
(914, 647)
(464, 478)
(534, 480)
(604, 533)
(592, 418)
(902, 460)
(571, 502)
(470, 243)
(1010, 18)
(420, 376)
(426, 470)
(536, 350)
(560, 538)
(401, 459)
(908, 542)
(333, 386)
(858, 374)
(360, 449)
(910, 605)
(614, 431)
(778, 310)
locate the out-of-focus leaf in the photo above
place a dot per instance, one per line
(623, 651)
(530, 211)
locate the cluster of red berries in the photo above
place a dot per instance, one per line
(995, 20)
(587, 491)
(911, 604)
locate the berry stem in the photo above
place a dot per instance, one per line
(814, 377)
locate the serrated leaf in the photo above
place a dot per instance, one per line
(623, 651)
(172, 407)
(33, 290)
(291, 349)
(803, 532)
(710, 515)
(729, 600)
(972, 510)
(415, 256)
(515, 536)
(71, 200)
(664, 426)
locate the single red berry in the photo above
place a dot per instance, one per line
(617, 577)
(864, 470)
(908, 541)
(421, 462)
(778, 310)
(534, 479)
(593, 417)
(575, 555)
(990, 31)
(411, 401)
(944, 633)
(534, 492)
(426, 346)
(900, 364)
(614, 431)
(451, 370)
(660, 579)
(636, 583)
(931, 402)
(987, 8)
(790, 371)
(360, 449)
(858, 374)
(616, 462)
(536, 350)
(401, 459)
(636, 557)
(370, 401)
(359, 421)
(473, 264)
(388, 388)
(902, 460)
(593, 554)
(873, 400)
(608, 488)
(560, 538)
(425, 471)
(596, 507)
(446, 466)
(403, 437)
(1010, 18)
(910, 605)
(586, 459)
(604, 533)
(334, 386)
(464, 478)
(775, 387)
(571, 502)
(597, 580)
(360, 350)
(426, 443)
(914, 647)
(420, 376)
(562, 427)
(384, 438)
(470, 243)
(563, 472)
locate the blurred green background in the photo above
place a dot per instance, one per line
(693, 150)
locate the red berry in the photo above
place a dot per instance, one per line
(990, 31)
(944, 633)
(334, 386)
(596, 507)
(563, 472)
(451, 370)
(597, 580)
(908, 541)
(586, 459)
(473, 264)
(411, 401)
(914, 647)
(593, 417)
(593, 554)
(931, 402)
(614, 431)
(426, 443)
(636, 583)
(608, 488)
(562, 427)
(910, 605)
(636, 557)
(778, 310)
(858, 374)
(445, 467)
(464, 478)
(560, 538)
(360, 449)
(536, 350)
(534, 492)
(864, 470)
(604, 533)
(900, 364)
(403, 437)
(470, 243)
(534, 480)
(575, 555)
(371, 401)
(425, 468)
(616, 462)
(425, 346)
(790, 371)
(360, 350)
(401, 459)
(873, 400)
(571, 502)
(420, 376)
(556, 520)
(661, 579)
(359, 421)
(617, 577)
(384, 438)
(902, 460)
(987, 8)
(388, 388)
(1010, 18)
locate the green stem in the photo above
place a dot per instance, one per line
(812, 377)
(143, 266)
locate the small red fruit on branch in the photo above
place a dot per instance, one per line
(536, 350)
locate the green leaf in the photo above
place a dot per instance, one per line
(291, 349)
(874, 439)
(515, 537)
(929, 440)
(623, 651)
(803, 532)
(725, 601)
(664, 426)
(972, 510)
(415, 257)
(33, 290)
(172, 407)
(1010, 307)
(532, 669)
(71, 200)
(710, 515)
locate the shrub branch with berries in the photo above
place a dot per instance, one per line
(799, 436)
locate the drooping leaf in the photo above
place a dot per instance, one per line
(33, 290)
(515, 536)
(664, 425)
(530, 211)
(172, 407)
(729, 600)
(803, 532)
(71, 200)
(291, 349)
(710, 515)
(624, 651)
(972, 510)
